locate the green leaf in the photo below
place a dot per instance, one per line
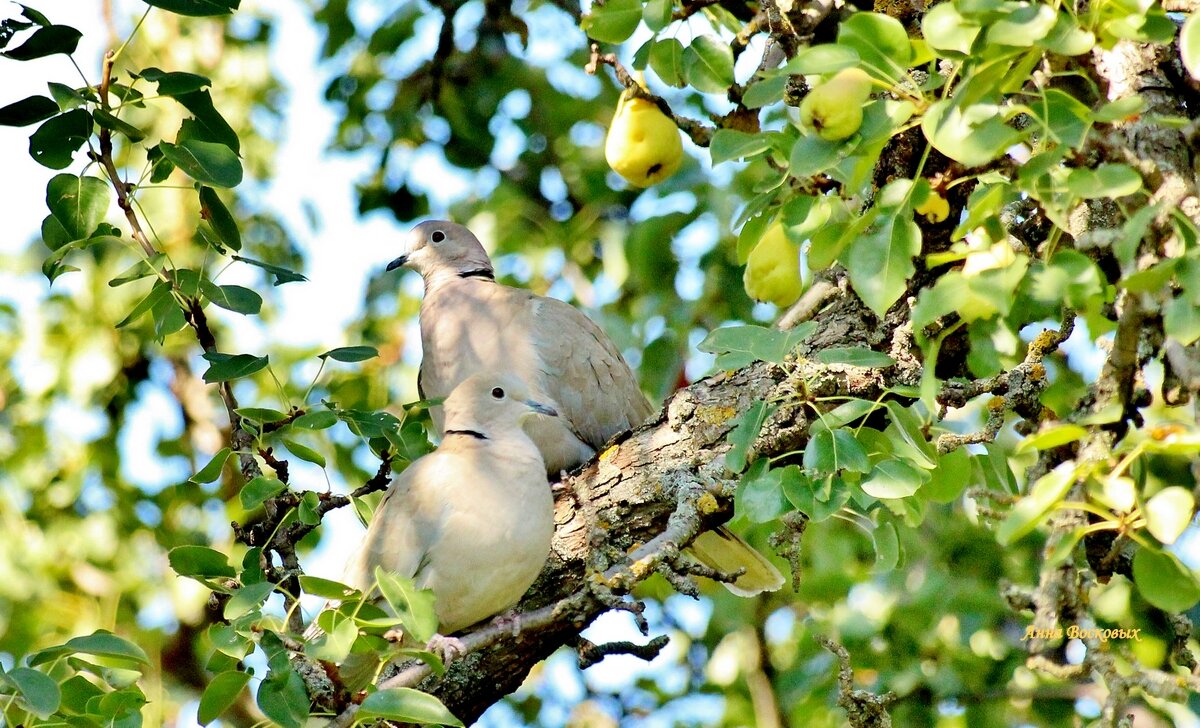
(1107, 180)
(206, 124)
(1164, 581)
(880, 261)
(212, 470)
(351, 353)
(742, 436)
(213, 210)
(262, 415)
(1169, 512)
(908, 426)
(282, 698)
(304, 452)
(1067, 118)
(614, 21)
(812, 155)
(708, 64)
(174, 83)
(657, 14)
(76, 692)
(257, 491)
(856, 356)
(47, 40)
(407, 704)
(1027, 24)
(325, 588)
(247, 599)
(28, 110)
(39, 690)
(1051, 437)
(68, 98)
(759, 494)
(318, 420)
(78, 203)
(100, 643)
(946, 30)
(225, 367)
(881, 43)
(1189, 45)
(1181, 320)
(336, 643)
(844, 414)
(205, 162)
(107, 120)
(158, 292)
(950, 478)
(829, 451)
(57, 139)
(666, 60)
(414, 607)
(139, 270)
(410, 441)
(887, 548)
(1029, 511)
(893, 479)
(972, 135)
(730, 144)
(199, 561)
(737, 346)
(282, 275)
(197, 8)
(822, 59)
(232, 298)
(765, 92)
(221, 693)
(1121, 109)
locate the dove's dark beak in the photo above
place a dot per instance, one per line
(541, 409)
(398, 262)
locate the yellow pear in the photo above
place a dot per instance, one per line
(773, 269)
(643, 143)
(834, 109)
(934, 208)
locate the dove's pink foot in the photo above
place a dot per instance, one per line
(447, 648)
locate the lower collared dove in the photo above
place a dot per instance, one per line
(471, 324)
(472, 520)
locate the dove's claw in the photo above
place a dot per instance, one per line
(447, 648)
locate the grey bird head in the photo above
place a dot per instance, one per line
(441, 247)
(486, 403)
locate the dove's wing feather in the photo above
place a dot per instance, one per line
(583, 371)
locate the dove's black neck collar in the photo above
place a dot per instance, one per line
(485, 273)
(470, 433)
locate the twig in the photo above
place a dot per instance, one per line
(700, 134)
(863, 709)
(808, 305)
(591, 653)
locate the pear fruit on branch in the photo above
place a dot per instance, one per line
(773, 269)
(643, 143)
(834, 109)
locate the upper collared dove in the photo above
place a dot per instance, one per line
(471, 324)
(472, 520)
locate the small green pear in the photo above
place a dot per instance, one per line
(773, 269)
(834, 109)
(643, 143)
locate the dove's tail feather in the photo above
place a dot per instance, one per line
(723, 550)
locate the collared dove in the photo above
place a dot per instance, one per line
(472, 520)
(471, 324)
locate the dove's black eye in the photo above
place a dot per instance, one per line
(498, 393)
(438, 236)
